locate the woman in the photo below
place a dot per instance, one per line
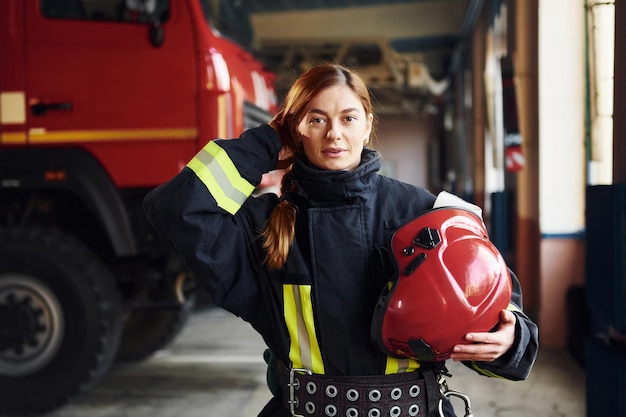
(304, 269)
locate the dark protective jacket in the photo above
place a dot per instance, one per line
(316, 311)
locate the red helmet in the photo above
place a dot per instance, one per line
(450, 279)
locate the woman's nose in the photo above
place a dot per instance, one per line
(334, 131)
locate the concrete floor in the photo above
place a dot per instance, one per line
(215, 369)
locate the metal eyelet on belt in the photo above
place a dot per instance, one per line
(309, 407)
(374, 395)
(331, 391)
(414, 410)
(395, 411)
(374, 412)
(396, 393)
(352, 394)
(352, 412)
(330, 410)
(414, 391)
(311, 388)
(295, 402)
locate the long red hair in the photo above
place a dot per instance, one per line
(280, 228)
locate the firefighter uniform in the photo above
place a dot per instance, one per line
(315, 313)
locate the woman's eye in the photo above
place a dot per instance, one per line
(317, 120)
(350, 118)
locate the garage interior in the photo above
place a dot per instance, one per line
(436, 70)
(405, 50)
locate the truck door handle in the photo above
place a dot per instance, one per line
(39, 109)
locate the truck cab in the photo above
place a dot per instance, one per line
(100, 101)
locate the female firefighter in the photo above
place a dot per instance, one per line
(306, 269)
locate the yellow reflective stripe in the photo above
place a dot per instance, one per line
(227, 166)
(221, 177)
(13, 137)
(211, 184)
(513, 307)
(41, 135)
(400, 365)
(391, 366)
(304, 351)
(484, 371)
(291, 319)
(309, 320)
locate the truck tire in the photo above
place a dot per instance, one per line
(61, 315)
(148, 329)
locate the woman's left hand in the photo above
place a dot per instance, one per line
(488, 346)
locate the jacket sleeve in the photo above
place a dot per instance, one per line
(516, 364)
(207, 214)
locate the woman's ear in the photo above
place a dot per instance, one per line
(370, 124)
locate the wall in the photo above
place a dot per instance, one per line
(561, 160)
(405, 144)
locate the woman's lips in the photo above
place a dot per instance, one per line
(333, 152)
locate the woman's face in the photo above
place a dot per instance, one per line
(334, 128)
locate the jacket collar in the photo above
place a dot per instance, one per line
(321, 186)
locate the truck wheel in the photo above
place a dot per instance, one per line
(152, 325)
(61, 320)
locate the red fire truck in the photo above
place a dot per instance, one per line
(100, 101)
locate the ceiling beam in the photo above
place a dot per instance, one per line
(391, 21)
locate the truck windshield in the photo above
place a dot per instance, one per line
(107, 10)
(231, 19)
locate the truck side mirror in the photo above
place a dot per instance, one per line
(156, 33)
(147, 11)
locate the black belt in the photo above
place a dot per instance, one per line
(414, 394)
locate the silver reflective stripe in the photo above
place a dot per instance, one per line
(217, 172)
(304, 350)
